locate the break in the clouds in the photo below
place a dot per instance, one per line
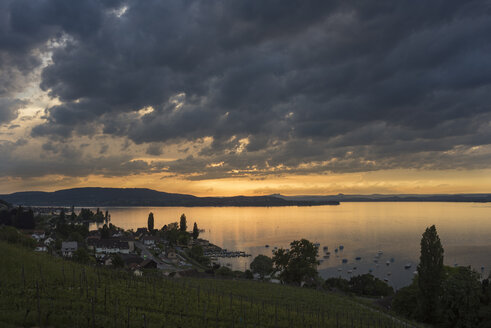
(279, 87)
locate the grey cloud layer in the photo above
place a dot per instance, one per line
(344, 86)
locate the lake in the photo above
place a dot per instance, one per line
(362, 228)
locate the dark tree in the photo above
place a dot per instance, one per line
(150, 222)
(262, 264)
(461, 298)
(195, 231)
(117, 261)
(24, 219)
(430, 275)
(81, 255)
(367, 284)
(183, 223)
(299, 264)
(105, 233)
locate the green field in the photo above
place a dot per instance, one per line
(40, 290)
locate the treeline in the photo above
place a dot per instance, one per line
(18, 217)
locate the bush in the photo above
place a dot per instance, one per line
(368, 285)
(224, 272)
(405, 301)
(13, 236)
(337, 283)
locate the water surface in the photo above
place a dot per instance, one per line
(362, 228)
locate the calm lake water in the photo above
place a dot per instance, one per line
(362, 228)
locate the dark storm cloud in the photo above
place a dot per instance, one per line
(9, 109)
(344, 86)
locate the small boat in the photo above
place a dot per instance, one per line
(341, 247)
(408, 265)
(387, 263)
(358, 258)
(345, 260)
(266, 245)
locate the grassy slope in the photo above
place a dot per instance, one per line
(73, 295)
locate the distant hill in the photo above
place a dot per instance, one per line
(142, 197)
(391, 198)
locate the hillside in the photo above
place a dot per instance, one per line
(41, 290)
(141, 197)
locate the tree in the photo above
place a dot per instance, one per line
(196, 253)
(150, 222)
(105, 233)
(195, 231)
(81, 255)
(183, 223)
(430, 275)
(117, 261)
(461, 298)
(183, 238)
(262, 264)
(172, 233)
(299, 263)
(367, 284)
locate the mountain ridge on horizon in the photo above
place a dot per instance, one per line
(101, 196)
(463, 197)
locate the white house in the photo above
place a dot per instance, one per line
(149, 240)
(110, 246)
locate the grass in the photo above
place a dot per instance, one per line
(41, 290)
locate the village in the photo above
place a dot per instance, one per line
(172, 250)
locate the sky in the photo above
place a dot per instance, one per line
(246, 97)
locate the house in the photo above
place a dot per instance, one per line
(38, 234)
(41, 248)
(35, 234)
(130, 240)
(150, 240)
(48, 241)
(108, 246)
(68, 248)
(171, 255)
(130, 259)
(148, 264)
(141, 232)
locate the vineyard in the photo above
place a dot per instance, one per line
(40, 290)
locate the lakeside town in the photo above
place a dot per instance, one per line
(172, 249)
